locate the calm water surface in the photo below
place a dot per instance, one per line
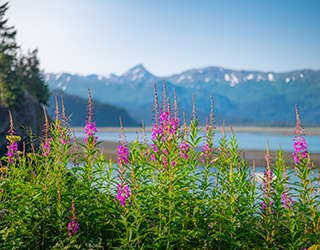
(246, 140)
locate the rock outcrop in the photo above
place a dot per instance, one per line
(28, 115)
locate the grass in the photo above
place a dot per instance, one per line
(154, 197)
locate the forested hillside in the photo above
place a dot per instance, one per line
(22, 88)
(105, 114)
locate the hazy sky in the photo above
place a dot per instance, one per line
(168, 36)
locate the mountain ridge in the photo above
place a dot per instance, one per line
(237, 90)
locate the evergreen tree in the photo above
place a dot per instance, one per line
(11, 90)
(31, 79)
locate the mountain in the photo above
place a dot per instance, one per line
(240, 97)
(105, 114)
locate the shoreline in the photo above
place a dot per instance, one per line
(252, 129)
(110, 150)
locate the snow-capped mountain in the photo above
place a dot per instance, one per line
(242, 96)
(136, 75)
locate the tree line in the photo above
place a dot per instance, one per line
(18, 73)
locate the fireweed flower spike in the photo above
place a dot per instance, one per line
(12, 144)
(64, 134)
(287, 201)
(207, 153)
(46, 147)
(267, 184)
(123, 194)
(123, 154)
(90, 127)
(73, 226)
(299, 145)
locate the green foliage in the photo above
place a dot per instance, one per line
(178, 197)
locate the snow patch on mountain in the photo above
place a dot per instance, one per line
(250, 77)
(181, 78)
(234, 80)
(271, 77)
(226, 77)
(259, 78)
(58, 76)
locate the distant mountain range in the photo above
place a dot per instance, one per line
(240, 97)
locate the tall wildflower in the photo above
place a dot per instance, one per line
(184, 146)
(123, 154)
(287, 201)
(207, 151)
(46, 148)
(61, 135)
(268, 174)
(123, 194)
(64, 136)
(73, 226)
(299, 145)
(286, 197)
(165, 128)
(12, 152)
(90, 127)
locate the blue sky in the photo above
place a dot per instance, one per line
(169, 36)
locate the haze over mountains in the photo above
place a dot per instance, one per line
(240, 97)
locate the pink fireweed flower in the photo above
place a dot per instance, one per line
(287, 201)
(299, 145)
(123, 195)
(167, 127)
(300, 150)
(73, 227)
(12, 151)
(165, 162)
(266, 175)
(184, 149)
(155, 149)
(123, 154)
(90, 130)
(46, 148)
(64, 139)
(206, 153)
(264, 206)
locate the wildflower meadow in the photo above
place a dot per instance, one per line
(162, 193)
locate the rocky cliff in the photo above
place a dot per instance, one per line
(28, 115)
